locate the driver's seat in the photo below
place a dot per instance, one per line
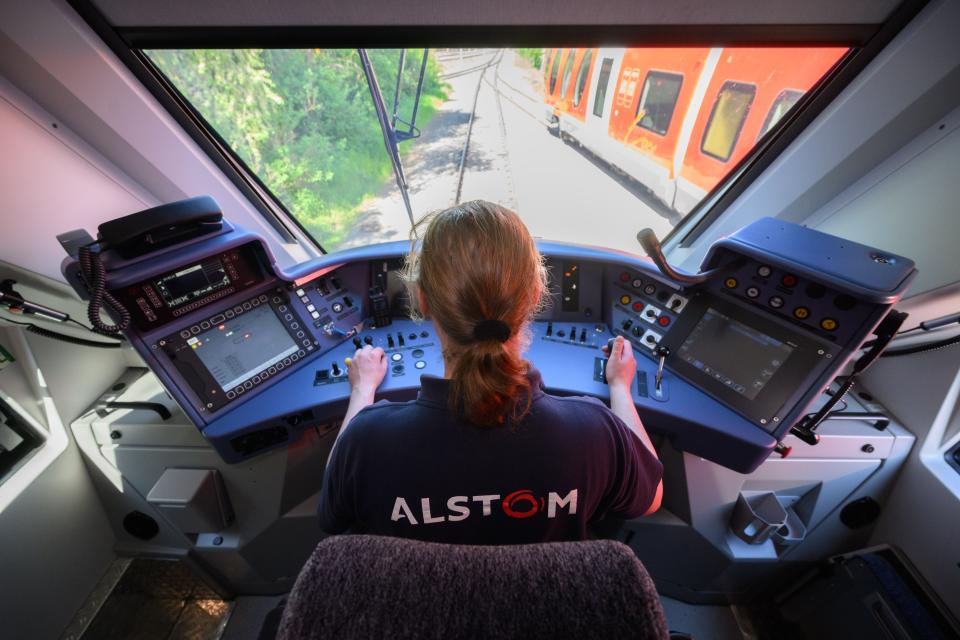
(379, 587)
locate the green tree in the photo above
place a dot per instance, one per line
(303, 120)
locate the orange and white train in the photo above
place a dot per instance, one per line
(676, 119)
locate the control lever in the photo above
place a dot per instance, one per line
(662, 353)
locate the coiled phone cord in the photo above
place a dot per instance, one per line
(95, 275)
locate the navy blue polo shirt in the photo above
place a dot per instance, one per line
(414, 470)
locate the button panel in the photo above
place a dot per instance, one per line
(813, 305)
(639, 302)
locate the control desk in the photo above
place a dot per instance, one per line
(254, 354)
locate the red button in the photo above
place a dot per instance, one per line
(637, 306)
(624, 276)
(789, 280)
(663, 321)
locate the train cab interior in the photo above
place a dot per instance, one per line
(206, 209)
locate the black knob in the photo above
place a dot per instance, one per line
(367, 340)
(390, 340)
(357, 343)
(412, 336)
(336, 369)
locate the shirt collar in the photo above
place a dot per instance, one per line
(436, 390)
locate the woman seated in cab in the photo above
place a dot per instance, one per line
(483, 455)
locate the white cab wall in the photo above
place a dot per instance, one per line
(49, 186)
(55, 540)
(909, 205)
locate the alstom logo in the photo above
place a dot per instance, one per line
(518, 504)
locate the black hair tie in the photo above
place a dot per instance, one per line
(491, 330)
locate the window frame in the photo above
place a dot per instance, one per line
(766, 126)
(580, 84)
(31, 441)
(555, 71)
(600, 98)
(743, 120)
(567, 73)
(673, 108)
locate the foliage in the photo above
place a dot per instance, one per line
(303, 120)
(535, 56)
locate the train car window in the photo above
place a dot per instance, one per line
(554, 70)
(547, 60)
(658, 101)
(567, 72)
(303, 126)
(582, 76)
(602, 83)
(781, 105)
(729, 112)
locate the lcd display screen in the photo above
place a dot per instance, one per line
(735, 355)
(192, 283)
(239, 348)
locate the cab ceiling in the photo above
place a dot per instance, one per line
(324, 13)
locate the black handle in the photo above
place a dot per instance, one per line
(156, 407)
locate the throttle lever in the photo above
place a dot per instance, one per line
(662, 353)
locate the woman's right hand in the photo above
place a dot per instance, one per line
(366, 370)
(621, 366)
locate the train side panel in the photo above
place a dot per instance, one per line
(653, 93)
(750, 91)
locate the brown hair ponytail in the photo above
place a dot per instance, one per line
(483, 280)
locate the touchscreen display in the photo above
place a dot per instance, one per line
(193, 282)
(734, 354)
(239, 348)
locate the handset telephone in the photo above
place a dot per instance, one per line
(136, 235)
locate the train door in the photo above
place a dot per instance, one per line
(576, 98)
(551, 85)
(750, 91)
(593, 109)
(654, 91)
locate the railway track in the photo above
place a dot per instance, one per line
(461, 169)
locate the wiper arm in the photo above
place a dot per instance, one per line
(389, 135)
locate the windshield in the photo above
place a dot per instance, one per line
(588, 145)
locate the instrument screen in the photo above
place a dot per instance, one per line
(741, 357)
(235, 349)
(193, 283)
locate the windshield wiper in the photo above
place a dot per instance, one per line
(388, 124)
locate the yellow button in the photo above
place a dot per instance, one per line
(624, 299)
(730, 283)
(828, 323)
(801, 312)
(347, 361)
